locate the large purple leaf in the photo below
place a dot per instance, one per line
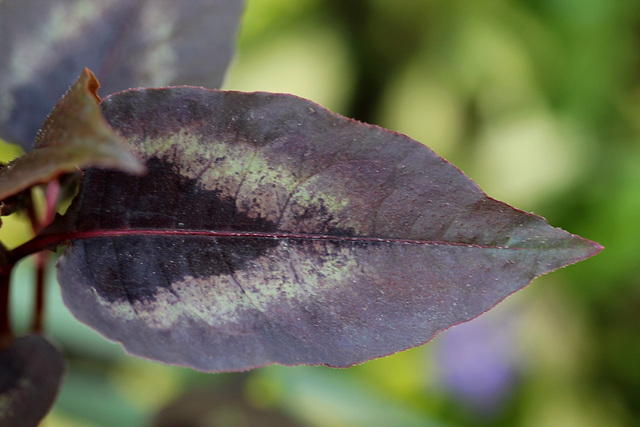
(44, 45)
(271, 230)
(31, 370)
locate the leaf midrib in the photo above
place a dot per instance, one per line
(53, 239)
(57, 238)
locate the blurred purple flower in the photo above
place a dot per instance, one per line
(477, 363)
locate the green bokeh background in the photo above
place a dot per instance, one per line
(538, 101)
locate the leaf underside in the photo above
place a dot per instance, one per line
(44, 45)
(31, 370)
(269, 230)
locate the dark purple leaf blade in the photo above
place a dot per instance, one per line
(74, 136)
(269, 230)
(44, 45)
(31, 371)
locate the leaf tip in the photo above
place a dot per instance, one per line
(595, 248)
(91, 83)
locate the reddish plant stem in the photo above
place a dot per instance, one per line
(11, 258)
(38, 313)
(5, 322)
(51, 197)
(34, 219)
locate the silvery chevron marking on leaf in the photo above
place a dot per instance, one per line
(269, 230)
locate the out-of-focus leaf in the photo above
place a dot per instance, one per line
(271, 230)
(226, 406)
(74, 136)
(44, 45)
(334, 398)
(31, 370)
(88, 397)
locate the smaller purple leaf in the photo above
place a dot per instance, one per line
(74, 136)
(31, 370)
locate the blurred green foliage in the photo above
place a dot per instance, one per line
(538, 101)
